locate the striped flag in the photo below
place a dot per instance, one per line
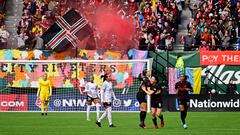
(172, 80)
(194, 77)
(138, 55)
(67, 31)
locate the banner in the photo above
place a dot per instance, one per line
(78, 102)
(206, 103)
(223, 72)
(13, 102)
(81, 54)
(219, 58)
(65, 75)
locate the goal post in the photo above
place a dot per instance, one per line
(19, 83)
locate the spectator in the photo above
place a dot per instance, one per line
(180, 64)
(37, 29)
(203, 47)
(206, 35)
(169, 42)
(193, 8)
(232, 87)
(38, 41)
(4, 36)
(225, 41)
(188, 42)
(150, 42)
(22, 39)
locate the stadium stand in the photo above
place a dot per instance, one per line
(215, 23)
(2, 10)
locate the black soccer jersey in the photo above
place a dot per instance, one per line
(182, 87)
(156, 97)
(146, 82)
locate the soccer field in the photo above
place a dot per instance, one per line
(199, 123)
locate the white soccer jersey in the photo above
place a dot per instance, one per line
(91, 89)
(107, 92)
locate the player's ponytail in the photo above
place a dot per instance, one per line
(104, 77)
(142, 75)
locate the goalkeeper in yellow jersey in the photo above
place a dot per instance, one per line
(45, 92)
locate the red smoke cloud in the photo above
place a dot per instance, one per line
(113, 32)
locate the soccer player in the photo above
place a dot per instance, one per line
(182, 90)
(92, 96)
(45, 92)
(106, 98)
(141, 96)
(155, 92)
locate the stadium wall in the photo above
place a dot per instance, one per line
(224, 70)
(77, 103)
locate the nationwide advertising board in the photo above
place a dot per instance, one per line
(205, 103)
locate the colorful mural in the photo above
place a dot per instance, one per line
(64, 75)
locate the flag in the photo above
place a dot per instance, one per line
(138, 55)
(172, 80)
(194, 77)
(68, 30)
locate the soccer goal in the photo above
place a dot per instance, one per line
(19, 83)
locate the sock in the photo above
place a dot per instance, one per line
(109, 114)
(183, 116)
(42, 107)
(154, 121)
(46, 107)
(98, 110)
(88, 111)
(103, 116)
(160, 117)
(143, 115)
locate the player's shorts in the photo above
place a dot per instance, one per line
(44, 97)
(184, 102)
(91, 99)
(107, 104)
(157, 105)
(141, 97)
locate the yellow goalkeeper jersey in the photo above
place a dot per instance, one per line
(45, 87)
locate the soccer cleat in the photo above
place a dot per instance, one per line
(162, 123)
(45, 113)
(98, 123)
(185, 126)
(42, 114)
(88, 120)
(142, 126)
(155, 126)
(112, 125)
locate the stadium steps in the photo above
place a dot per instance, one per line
(182, 29)
(13, 16)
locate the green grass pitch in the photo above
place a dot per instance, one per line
(199, 123)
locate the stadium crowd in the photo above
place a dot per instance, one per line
(214, 25)
(156, 21)
(37, 17)
(3, 33)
